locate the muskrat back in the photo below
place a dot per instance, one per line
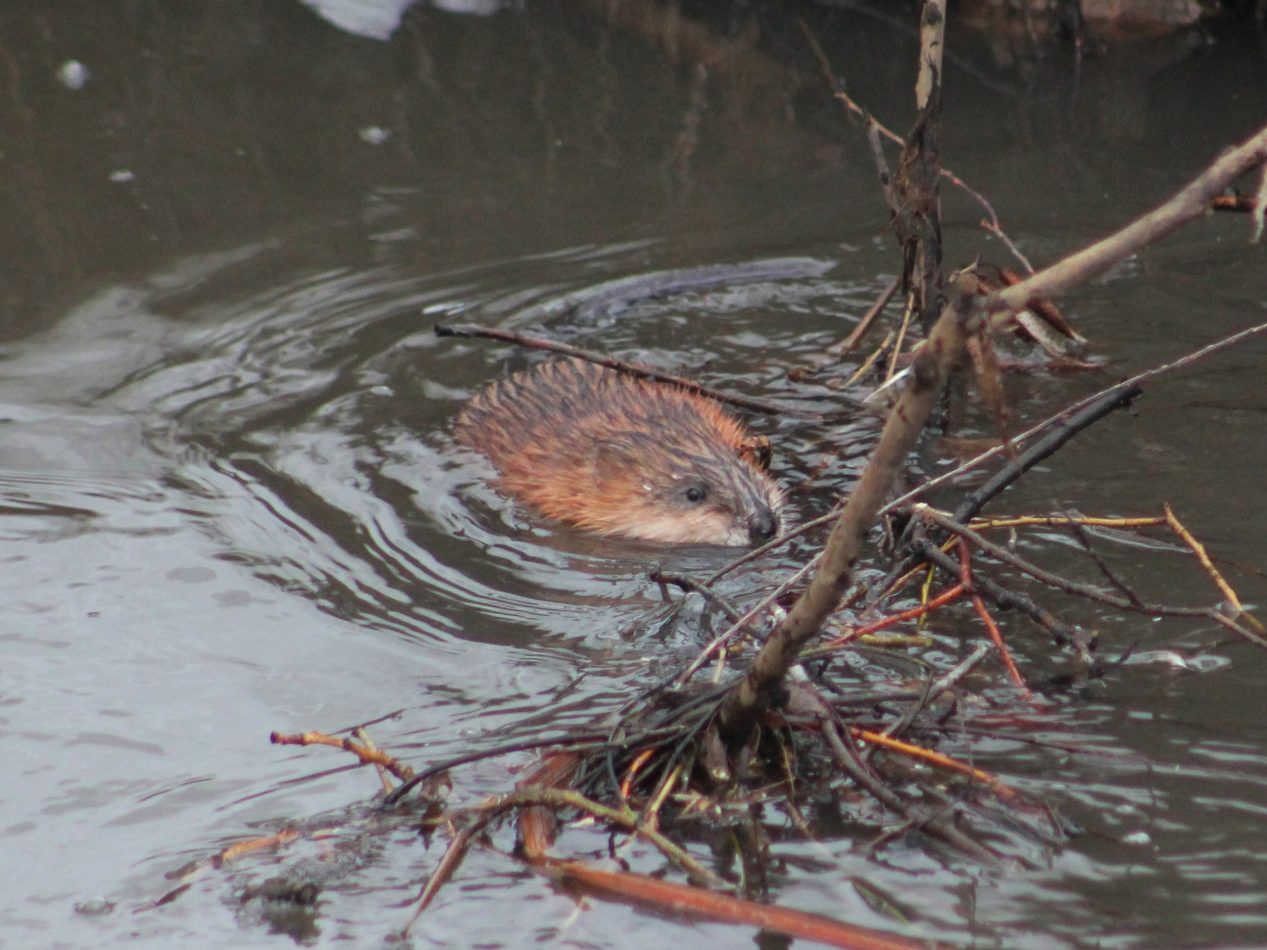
(620, 455)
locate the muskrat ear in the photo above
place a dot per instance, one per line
(755, 450)
(612, 461)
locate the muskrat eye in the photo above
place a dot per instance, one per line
(696, 493)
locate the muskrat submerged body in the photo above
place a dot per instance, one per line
(622, 456)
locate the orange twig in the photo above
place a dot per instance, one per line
(696, 902)
(220, 859)
(1204, 560)
(367, 754)
(631, 774)
(235, 851)
(935, 758)
(1004, 653)
(947, 596)
(965, 580)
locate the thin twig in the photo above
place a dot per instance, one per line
(1084, 539)
(737, 626)
(621, 817)
(933, 690)
(966, 579)
(1062, 633)
(365, 751)
(1073, 587)
(593, 741)
(1203, 559)
(992, 219)
(936, 825)
(1062, 416)
(636, 369)
(850, 343)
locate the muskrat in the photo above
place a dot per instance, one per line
(623, 456)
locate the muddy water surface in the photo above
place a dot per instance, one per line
(231, 504)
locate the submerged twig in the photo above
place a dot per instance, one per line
(935, 824)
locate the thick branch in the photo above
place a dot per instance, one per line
(905, 422)
(917, 211)
(1191, 202)
(932, 31)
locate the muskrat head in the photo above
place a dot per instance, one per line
(677, 494)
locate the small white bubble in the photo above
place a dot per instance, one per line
(94, 907)
(72, 74)
(122, 176)
(1137, 838)
(374, 134)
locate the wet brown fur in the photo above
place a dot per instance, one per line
(615, 454)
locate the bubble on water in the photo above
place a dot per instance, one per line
(375, 134)
(72, 74)
(121, 176)
(94, 907)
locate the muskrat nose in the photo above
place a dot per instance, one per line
(762, 525)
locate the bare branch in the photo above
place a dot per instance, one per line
(1189, 203)
(844, 546)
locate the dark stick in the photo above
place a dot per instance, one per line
(689, 586)
(1062, 430)
(1181, 363)
(1084, 538)
(933, 691)
(935, 825)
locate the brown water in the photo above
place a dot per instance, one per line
(231, 504)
